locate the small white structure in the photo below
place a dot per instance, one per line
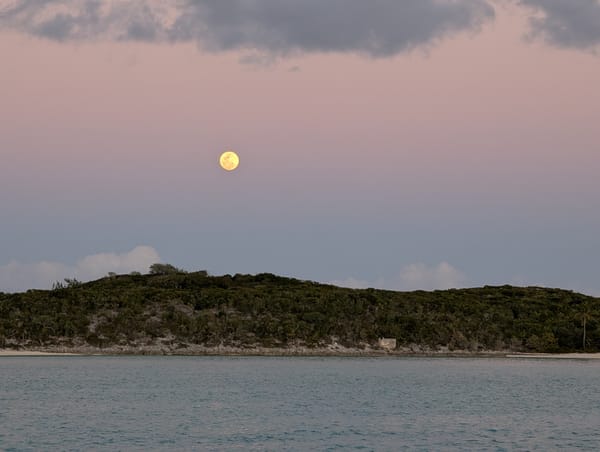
(387, 343)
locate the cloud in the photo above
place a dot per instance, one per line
(16, 276)
(271, 29)
(352, 283)
(566, 23)
(377, 28)
(413, 277)
(275, 28)
(61, 20)
(420, 276)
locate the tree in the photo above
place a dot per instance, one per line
(164, 269)
(69, 283)
(73, 282)
(585, 316)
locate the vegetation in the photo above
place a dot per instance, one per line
(267, 310)
(164, 269)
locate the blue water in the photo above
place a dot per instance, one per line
(252, 403)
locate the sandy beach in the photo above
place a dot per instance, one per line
(555, 355)
(30, 353)
(292, 351)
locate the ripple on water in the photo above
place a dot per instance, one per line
(158, 403)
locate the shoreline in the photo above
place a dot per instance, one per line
(282, 352)
(554, 355)
(4, 352)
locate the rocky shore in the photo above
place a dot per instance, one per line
(226, 350)
(196, 350)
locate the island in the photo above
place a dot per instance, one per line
(194, 313)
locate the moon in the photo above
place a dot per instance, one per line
(229, 160)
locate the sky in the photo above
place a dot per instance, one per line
(415, 144)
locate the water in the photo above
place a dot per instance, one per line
(252, 403)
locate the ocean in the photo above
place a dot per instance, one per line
(292, 403)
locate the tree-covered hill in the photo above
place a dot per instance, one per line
(271, 311)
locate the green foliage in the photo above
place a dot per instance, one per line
(269, 310)
(164, 269)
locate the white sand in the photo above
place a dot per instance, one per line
(556, 355)
(7, 352)
(30, 353)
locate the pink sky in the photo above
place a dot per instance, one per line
(487, 126)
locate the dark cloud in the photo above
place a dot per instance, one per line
(272, 28)
(62, 20)
(566, 23)
(377, 28)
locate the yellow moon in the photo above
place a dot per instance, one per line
(229, 160)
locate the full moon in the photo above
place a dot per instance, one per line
(229, 160)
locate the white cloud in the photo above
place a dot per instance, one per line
(414, 277)
(420, 276)
(16, 276)
(351, 283)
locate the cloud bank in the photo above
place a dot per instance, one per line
(414, 277)
(269, 29)
(377, 28)
(566, 23)
(15, 276)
